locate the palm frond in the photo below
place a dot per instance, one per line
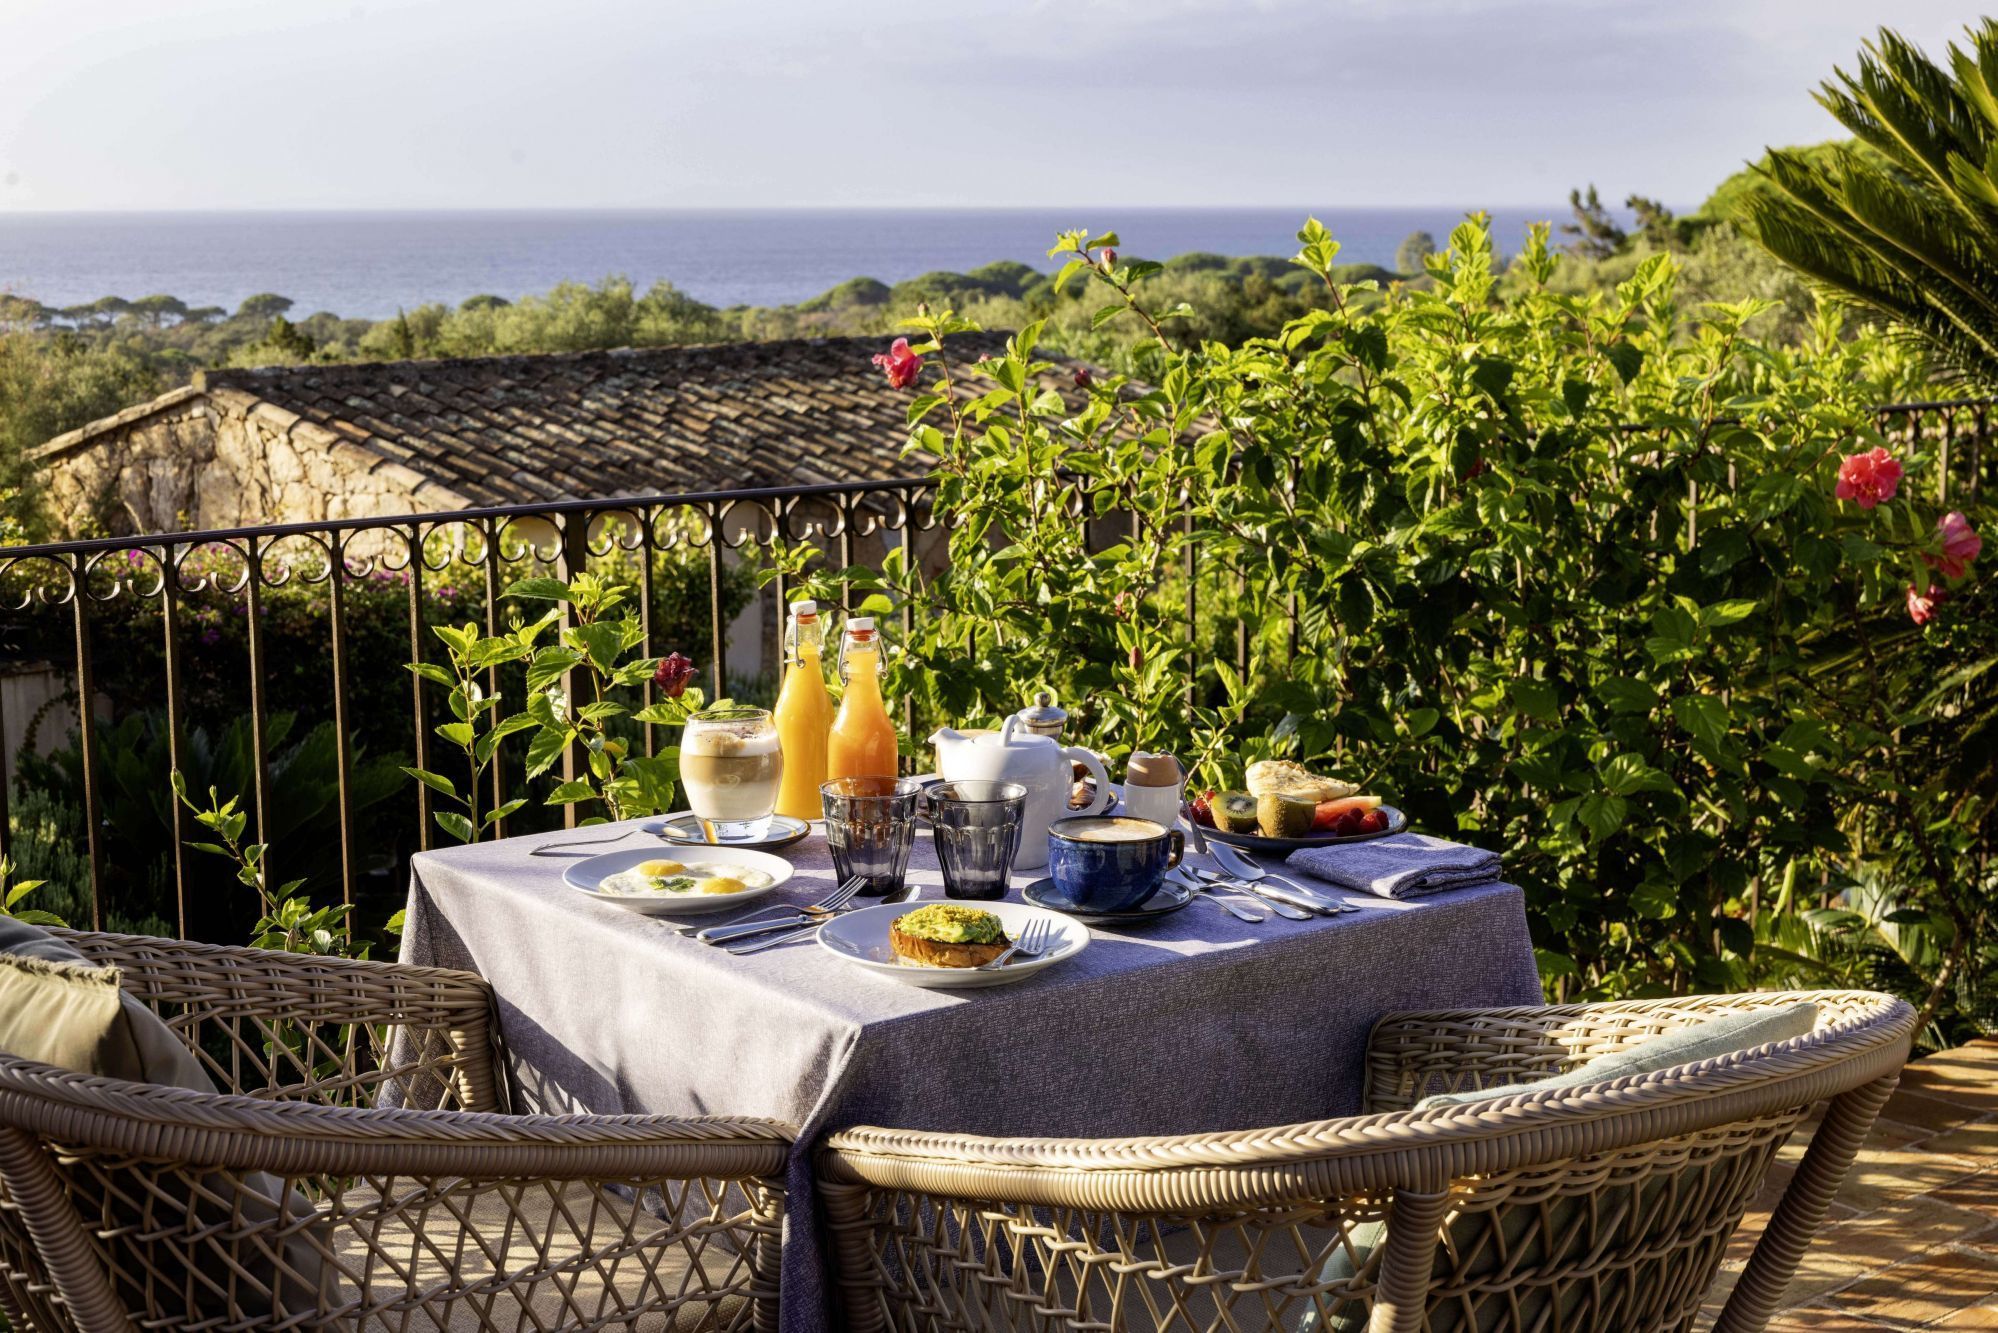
(1905, 221)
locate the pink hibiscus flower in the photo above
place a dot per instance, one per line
(1922, 605)
(899, 363)
(1869, 478)
(1960, 545)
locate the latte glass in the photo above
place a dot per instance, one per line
(730, 766)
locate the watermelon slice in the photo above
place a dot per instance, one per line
(1329, 811)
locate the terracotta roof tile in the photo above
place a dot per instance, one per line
(518, 428)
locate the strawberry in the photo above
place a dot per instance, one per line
(1374, 821)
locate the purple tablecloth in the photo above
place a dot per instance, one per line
(1197, 1022)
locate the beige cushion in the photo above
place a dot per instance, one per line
(525, 1249)
(57, 1008)
(1687, 1045)
(1704, 1040)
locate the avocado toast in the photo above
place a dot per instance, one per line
(947, 935)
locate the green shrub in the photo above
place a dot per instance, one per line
(45, 841)
(137, 807)
(1572, 581)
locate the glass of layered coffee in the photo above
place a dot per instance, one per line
(730, 766)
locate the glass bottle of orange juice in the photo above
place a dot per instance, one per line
(804, 713)
(863, 735)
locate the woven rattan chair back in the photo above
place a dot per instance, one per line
(1598, 1209)
(291, 1201)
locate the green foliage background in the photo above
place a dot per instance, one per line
(1570, 579)
(62, 368)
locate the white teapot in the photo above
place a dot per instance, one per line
(1038, 763)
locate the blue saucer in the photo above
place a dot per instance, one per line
(1169, 899)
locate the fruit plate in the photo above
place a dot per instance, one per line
(861, 938)
(588, 875)
(1256, 842)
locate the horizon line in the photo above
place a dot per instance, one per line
(726, 209)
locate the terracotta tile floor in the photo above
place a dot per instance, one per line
(1913, 1240)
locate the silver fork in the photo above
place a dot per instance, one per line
(746, 926)
(1035, 939)
(907, 893)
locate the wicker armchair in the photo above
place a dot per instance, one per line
(1601, 1208)
(290, 1201)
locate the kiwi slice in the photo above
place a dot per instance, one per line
(1280, 816)
(1234, 811)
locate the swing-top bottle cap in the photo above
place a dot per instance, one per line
(861, 624)
(805, 610)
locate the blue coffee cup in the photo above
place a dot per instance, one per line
(1110, 863)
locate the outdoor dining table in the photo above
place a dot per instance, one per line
(1194, 1022)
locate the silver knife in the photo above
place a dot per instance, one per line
(1262, 888)
(907, 893)
(1288, 910)
(743, 930)
(797, 933)
(1244, 866)
(1310, 902)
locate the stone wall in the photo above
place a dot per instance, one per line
(203, 458)
(198, 459)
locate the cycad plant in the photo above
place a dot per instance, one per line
(1904, 220)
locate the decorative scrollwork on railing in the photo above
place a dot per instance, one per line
(307, 557)
(759, 525)
(37, 580)
(611, 531)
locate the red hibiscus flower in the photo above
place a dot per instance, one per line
(1960, 545)
(899, 363)
(1869, 478)
(1922, 606)
(673, 673)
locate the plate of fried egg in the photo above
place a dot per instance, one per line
(705, 879)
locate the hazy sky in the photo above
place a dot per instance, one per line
(134, 104)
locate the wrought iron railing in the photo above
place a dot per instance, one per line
(60, 596)
(58, 601)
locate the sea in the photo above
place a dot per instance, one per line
(370, 265)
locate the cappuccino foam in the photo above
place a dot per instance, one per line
(1112, 828)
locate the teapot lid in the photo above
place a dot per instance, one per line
(1044, 717)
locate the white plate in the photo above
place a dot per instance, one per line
(588, 874)
(861, 938)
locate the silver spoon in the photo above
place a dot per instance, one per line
(1276, 902)
(1275, 887)
(1253, 915)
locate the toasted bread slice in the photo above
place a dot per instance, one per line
(936, 953)
(1280, 777)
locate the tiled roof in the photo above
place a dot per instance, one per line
(518, 429)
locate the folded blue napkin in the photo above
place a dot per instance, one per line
(1405, 865)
